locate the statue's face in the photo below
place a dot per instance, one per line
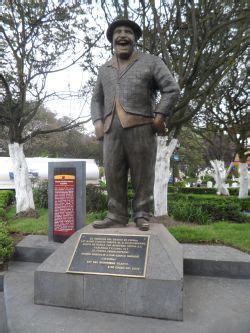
(123, 41)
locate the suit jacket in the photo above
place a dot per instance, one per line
(135, 87)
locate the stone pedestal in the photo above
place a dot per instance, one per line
(158, 295)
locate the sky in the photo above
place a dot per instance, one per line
(68, 80)
(72, 79)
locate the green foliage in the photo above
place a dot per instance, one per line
(234, 191)
(183, 211)
(236, 235)
(28, 225)
(96, 199)
(204, 208)
(6, 243)
(181, 184)
(6, 196)
(199, 190)
(39, 226)
(196, 190)
(2, 213)
(232, 234)
(103, 186)
(245, 204)
(40, 194)
(208, 178)
(94, 216)
(101, 171)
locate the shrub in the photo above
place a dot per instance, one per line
(216, 207)
(2, 213)
(93, 216)
(6, 197)
(208, 178)
(40, 194)
(199, 190)
(103, 186)
(233, 191)
(183, 211)
(6, 243)
(245, 204)
(172, 189)
(181, 184)
(96, 199)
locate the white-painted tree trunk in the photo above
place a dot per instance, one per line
(162, 174)
(24, 195)
(243, 171)
(220, 176)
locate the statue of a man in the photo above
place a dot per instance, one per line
(126, 117)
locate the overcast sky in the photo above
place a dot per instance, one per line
(69, 80)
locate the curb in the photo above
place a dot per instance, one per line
(3, 314)
(1, 281)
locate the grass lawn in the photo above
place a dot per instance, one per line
(231, 234)
(227, 233)
(37, 226)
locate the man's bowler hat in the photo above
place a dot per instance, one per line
(134, 26)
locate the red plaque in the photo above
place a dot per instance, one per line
(64, 205)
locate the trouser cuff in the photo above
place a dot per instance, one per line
(118, 218)
(138, 215)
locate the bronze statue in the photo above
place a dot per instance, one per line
(126, 117)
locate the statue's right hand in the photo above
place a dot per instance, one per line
(99, 129)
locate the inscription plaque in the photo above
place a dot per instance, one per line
(109, 254)
(64, 205)
(66, 199)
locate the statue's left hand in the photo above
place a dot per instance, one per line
(99, 130)
(159, 125)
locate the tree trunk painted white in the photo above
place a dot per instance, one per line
(162, 174)
(243, 171)
(24, 194)
(220, 176)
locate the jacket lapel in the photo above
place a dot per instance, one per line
(113, 63)
(135, 57)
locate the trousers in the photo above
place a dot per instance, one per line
(129, 149)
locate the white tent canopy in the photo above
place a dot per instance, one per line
(38, 169)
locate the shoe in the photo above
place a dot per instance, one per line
(107, 223)
(142, 224)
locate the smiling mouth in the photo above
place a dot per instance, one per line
(122, 42)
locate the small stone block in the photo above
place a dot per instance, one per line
(104, 293)
(155, 298)
(59, 289)
(34, 248)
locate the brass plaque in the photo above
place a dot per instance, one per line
(109, 254)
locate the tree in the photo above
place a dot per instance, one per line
(226, 112)
(73, 143)
(35, 38)
(199, 41)
(218, 150)
(192, 152)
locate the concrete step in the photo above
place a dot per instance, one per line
(201, 260)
